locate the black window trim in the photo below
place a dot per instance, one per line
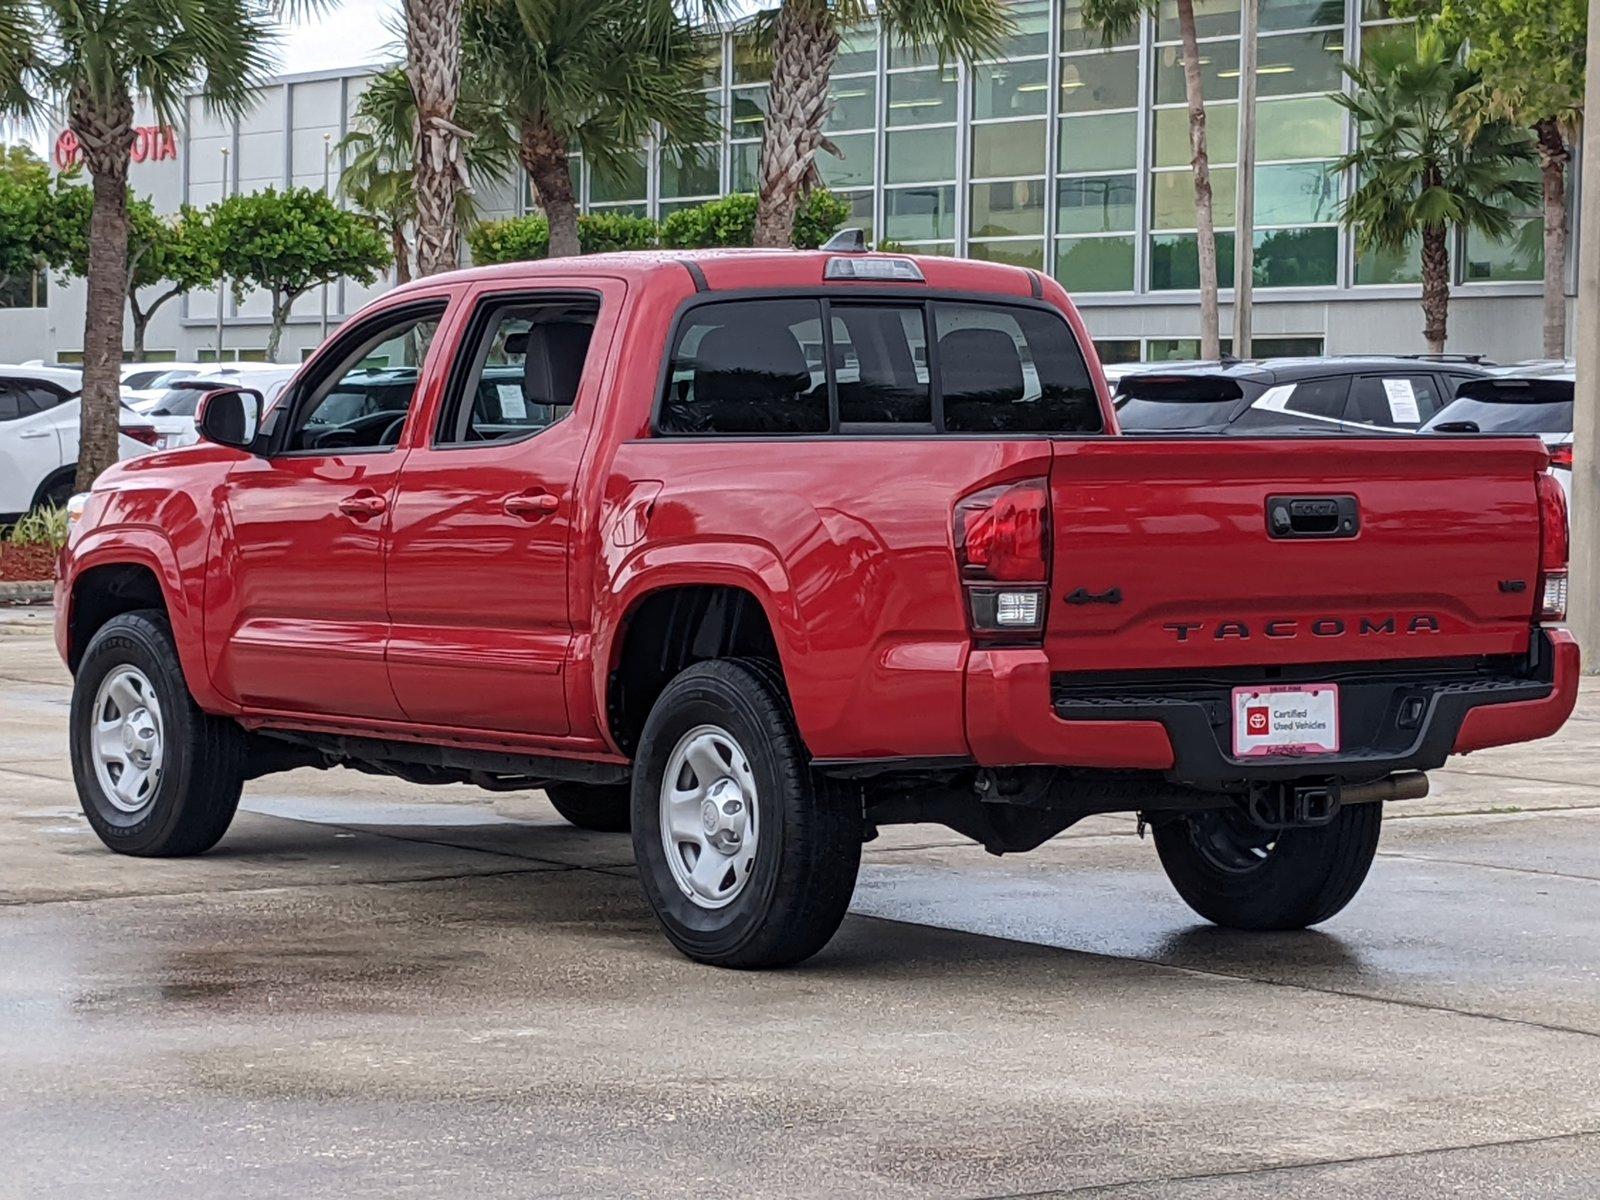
(905, 294)
(483, 306)
(351, 335)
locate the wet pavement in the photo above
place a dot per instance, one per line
(375, 989)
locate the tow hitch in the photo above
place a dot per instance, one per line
(1307, 805)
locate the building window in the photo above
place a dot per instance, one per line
(25, 291)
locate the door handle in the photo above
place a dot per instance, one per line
(37, 433)
(530, 506)
(363, 505)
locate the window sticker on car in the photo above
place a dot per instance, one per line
(1402, 401)
(1274, 399)
(512, 406)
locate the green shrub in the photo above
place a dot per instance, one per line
(730, 221)
(821, 213)
(41, 527)
(515, 240)
(600, 232)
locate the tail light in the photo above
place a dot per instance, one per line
(1552, 549)
(140, 433)
(1002, 540)
(1561, 456)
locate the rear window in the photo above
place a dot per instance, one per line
(860, 366)
(1141, 412)
(1490, 416)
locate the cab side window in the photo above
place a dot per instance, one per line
(748, 366)
(526, 361)
(361, 402)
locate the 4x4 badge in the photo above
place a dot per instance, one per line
(1085, 596)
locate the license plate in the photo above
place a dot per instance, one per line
(1286, 719)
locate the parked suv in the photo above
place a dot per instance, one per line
(1292, 396)
(39, 419)
(757, 553)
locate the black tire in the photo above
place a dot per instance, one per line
(600, 807)
(801, 877)
(191, 799)
(55, 492)
(1301, 878)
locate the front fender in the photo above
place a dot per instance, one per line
(182, 592)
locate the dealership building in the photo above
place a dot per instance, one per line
(1065, 155)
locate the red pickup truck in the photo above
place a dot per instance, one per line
(755, 553)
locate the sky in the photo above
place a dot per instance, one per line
(351, 33)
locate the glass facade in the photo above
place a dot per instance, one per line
(1070, 152)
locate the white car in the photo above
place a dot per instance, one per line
(145, 385)
(39, 414)
(1530, 399)
(173, 412)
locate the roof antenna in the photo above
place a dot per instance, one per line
(850, 240)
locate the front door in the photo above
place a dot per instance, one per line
(296, 587)
(478, 570)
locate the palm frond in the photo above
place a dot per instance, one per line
(953, 29)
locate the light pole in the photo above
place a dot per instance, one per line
(1584, 599)
(1244, 205)
(327, 159)
(222, 283)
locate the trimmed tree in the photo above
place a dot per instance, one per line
(1423, 164)
(805, 42)
(287, 243)
(606, 75)
(30, 226)
(167, 256)
(1530, 57)
(91, 58)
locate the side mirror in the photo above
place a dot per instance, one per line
(230, 416)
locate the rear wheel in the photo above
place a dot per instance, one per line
(747, 857)
(1243, 876)
(601, 807)
(156, 776)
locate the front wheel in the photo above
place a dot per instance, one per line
(156, 776)
(747, 857)
(1240, 875)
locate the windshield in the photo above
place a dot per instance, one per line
(1518, 416)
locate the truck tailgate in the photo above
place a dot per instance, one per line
(1164, 554)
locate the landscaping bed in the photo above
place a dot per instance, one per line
(25, 563)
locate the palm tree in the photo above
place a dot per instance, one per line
(805, 41)
(598, 74)
(379, 173)
(433, 65)
(93, 58)
(1115, 17)
(1425, 163)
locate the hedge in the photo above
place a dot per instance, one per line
(730, 221)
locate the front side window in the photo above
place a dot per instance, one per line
(752, 366)
(362, 402)
(527, 359)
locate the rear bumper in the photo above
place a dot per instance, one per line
(1018, 714)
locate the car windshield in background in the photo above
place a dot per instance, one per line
(178, 402)
(1510, 406)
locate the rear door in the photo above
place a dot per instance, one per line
(478, 573)
(1181, 533)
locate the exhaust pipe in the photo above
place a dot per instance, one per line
(1407, 785)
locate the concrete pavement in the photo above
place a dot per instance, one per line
(377, 989)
